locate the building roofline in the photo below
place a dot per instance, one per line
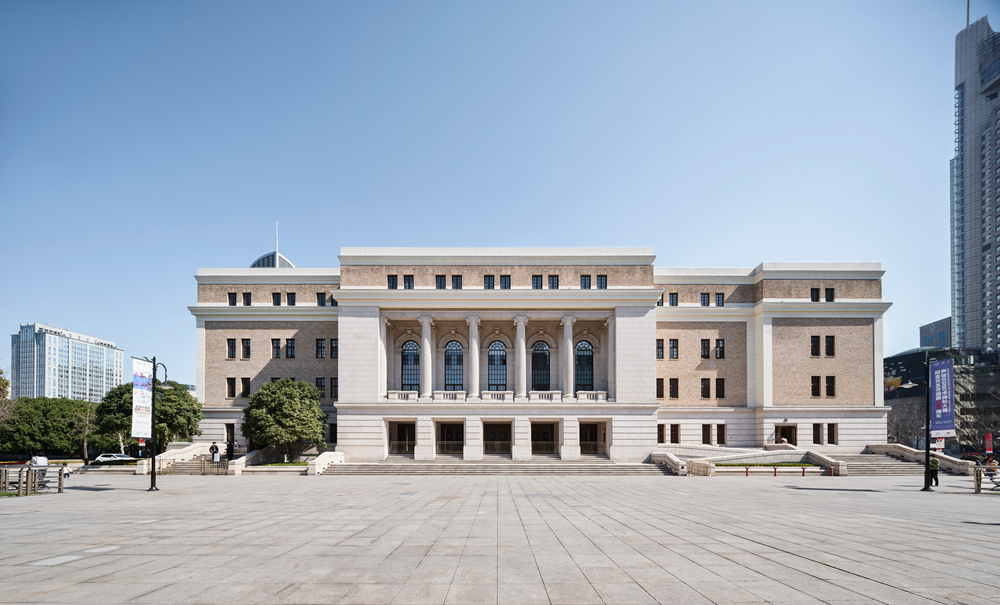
(536, 255)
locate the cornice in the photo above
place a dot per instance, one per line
(216, 313)
(498, 299)
(269, 275)
(822, 310)
(533, 256)
(501, 409)
(736, 275)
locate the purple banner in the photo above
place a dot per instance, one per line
(942, 398)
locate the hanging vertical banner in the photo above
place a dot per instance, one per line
(942, 398)
(142, 398)
(989, 443)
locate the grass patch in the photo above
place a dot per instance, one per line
(7, 494)
(740, 464)
(287, 464)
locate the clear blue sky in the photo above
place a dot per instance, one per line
(140, 141)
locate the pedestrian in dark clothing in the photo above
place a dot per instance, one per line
(229, 450)
(214, 451)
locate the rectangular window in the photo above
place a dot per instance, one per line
(536, 282)
(334, 388)
(321, 299)
(321, 385)
(720, 434)
(602, 282)
(247, 299)
(814, 294)
(720, 300)
(505, 282)
(320, 348)
(673, 299)
(276, 299)
(246, 348)
(720, 348)
(456, 282)
(831, 434)
(393, 282)
(814, 346)
(831, 386)
(706, 348)
(584, 282)
(291, 299)
(553, 282)
(245, 387)
(659, 388)
(815, 386)
(675, 433)
(487, 282)
(706, 434)
(231, 348)
(659, 433)
(230, 387)
(706, 388)
(232, 299)
(334, 348)
(829, 295)
(673, 348)
(720, 388)
(817, 434)
(659, 303)
(440, 282)
(659, 348)
(275, 348)
(290, 348)
(674, 388)
(704, 299)
(830, 348)
(275, 379)
(407, 282)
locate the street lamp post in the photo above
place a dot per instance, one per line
(152, 473)
(927, 420)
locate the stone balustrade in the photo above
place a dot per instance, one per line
(546, 396)
(592, 396)
(450, 396)
(498, 396)
(402, 395)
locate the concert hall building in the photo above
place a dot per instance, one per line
(530, 352)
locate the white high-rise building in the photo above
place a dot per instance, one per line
(47, 361)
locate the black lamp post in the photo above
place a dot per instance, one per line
(927, 420)
(152, 473)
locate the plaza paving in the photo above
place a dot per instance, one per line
(517, 539)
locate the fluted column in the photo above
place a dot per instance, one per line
(520, 367)
(383, 358)
(568, 357)
(426, 358)
(610, 352)
(473, 391)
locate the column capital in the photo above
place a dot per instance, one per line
(610, 321)
(426, 320)
(384, 320)
(567, 320)
(472, 319)
(521, 319)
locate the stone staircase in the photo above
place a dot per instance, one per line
(587, 466)
(99, 469)
(861, 465)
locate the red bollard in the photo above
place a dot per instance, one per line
(803, 471)
(831, 471)
(748, 471)
(775, 471)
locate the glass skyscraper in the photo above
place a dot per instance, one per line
(47, 361)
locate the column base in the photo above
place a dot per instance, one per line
(520, 452)
(520, 399)
(425, 399)
(569, 399)
(423, 452)
(569, 452)
(472, 452)
(473, 398)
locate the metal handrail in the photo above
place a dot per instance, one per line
(543, 447)
(211, 467)
(450, 447)
(31, 479)
(496, 447)
(401, 447)
(591, 447)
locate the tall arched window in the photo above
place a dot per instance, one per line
(411, 366)
(498, 366)
(584, 366)
(453, 366)
(540, 366)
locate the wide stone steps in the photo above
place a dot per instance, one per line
(860, 465)
(768, 471)
(99, 469)
(498, 468)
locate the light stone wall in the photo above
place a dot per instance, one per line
(792, 364)
(740, 424)
(260, 294)
(359, 345)
(689, 368)
(691, 294)
(844, 289)
(856, 428)
(636, 362)
(260, 368)
(520, 275)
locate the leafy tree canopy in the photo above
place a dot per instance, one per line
(285, 414)
(56, 426)
(177, 415)
(4, 386)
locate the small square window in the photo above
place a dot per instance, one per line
(232, 299)
(553, 282)
(673, 299)
(536, 282)
(505, 282)
(487, 282)
(829, 295)
(246, 299)
(276, 299)
(392, 282)
(704, 299)
(440, 282)
(407, 282)
(584, 282)
(291, 299)
(456, 282)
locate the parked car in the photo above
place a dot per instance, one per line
(113, 458)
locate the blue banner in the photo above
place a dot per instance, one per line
(942, 398)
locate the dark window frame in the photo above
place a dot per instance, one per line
(289, 348)
(497, 366)
(488, 282)
(814, 294)
(536, 282)
(675, 433)
(659, 348)
(541, 371)
(815, 388)
(814, 346)
(583, 360)
(230, 388)
(407, 282)
(706, 388)
(334, 391)
(392, 282)
(705, 299)
(321, 299)
(706, 348)
(831, 346)
(659, 388)
(720, 434)
(320, 348)
(674, 388)
(831, 386)
(231, 348)
(246, 348)
(829, 295)
(244, 387)
(334, 348)
(321, 385)
(720, 348)
(720, 299)
(232, 299)
(275, 348)
(441, 282)
(720, 388)
(290, 297)
(409, 364)
(505, 282)
(672, 298)
(275, 299)
(247, 299)
(553, 282)
(706, 434)
(673, 348)
(454, 366)
(584, 282)
(602, 282)
(456, 282)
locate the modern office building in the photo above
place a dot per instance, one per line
(47, 361)
(937, 334)
(522, 352)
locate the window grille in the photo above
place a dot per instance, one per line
(814, 294)
(440, 281)
(720, 300)
(704, 299)
(673, 348)
(321, 385)
(659, 390)
(705, 349)
(536, 282)
(540, 366)
(320, 348)
(487, 282)
(320, 299)
(247, 299)
(232, 299)
(456, 282)
(505, 282)
(407, 282)
(393, 281)
(830, 348)
(814, 346)
(706, 388)
(659, 348)
(720, 348)
(673, 299)
(553, 282)
(291, 299)
(276, 299)
(584, 282)
(498, 366)
(334, 393)
(602, 282)
(231, 348)
(831, 386)
(659, 303)
(290, 348)
(815, 386)
(411, 366)
(453, 373)
(275, 348)
(246, 348)
(584, 367)
(334, 348)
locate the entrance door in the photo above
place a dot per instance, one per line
(497, 439)
(405, 438)
(543, 438)
(451, 438)
(785, 432)
(589, 443)
(230, 432)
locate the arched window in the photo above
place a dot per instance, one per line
(453, 366)
(498, 366)
(584, 366)
(411, 366)
(540, 366)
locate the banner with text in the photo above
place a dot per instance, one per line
(142, 398)
(943, 398)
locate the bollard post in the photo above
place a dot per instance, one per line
(977, 480)
(803, 471)
(775, 471)
(831, 470)
(62, 474)
(748, 471)
(20, 480)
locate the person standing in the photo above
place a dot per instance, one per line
(935, 465)
(214, 450)
(229, 450)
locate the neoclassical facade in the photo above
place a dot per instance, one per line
(523, 353)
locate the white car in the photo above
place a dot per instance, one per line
(113, 458)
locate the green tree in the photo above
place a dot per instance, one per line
(285, 414)
(177, 416)
(4, 386)
(44, 423)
